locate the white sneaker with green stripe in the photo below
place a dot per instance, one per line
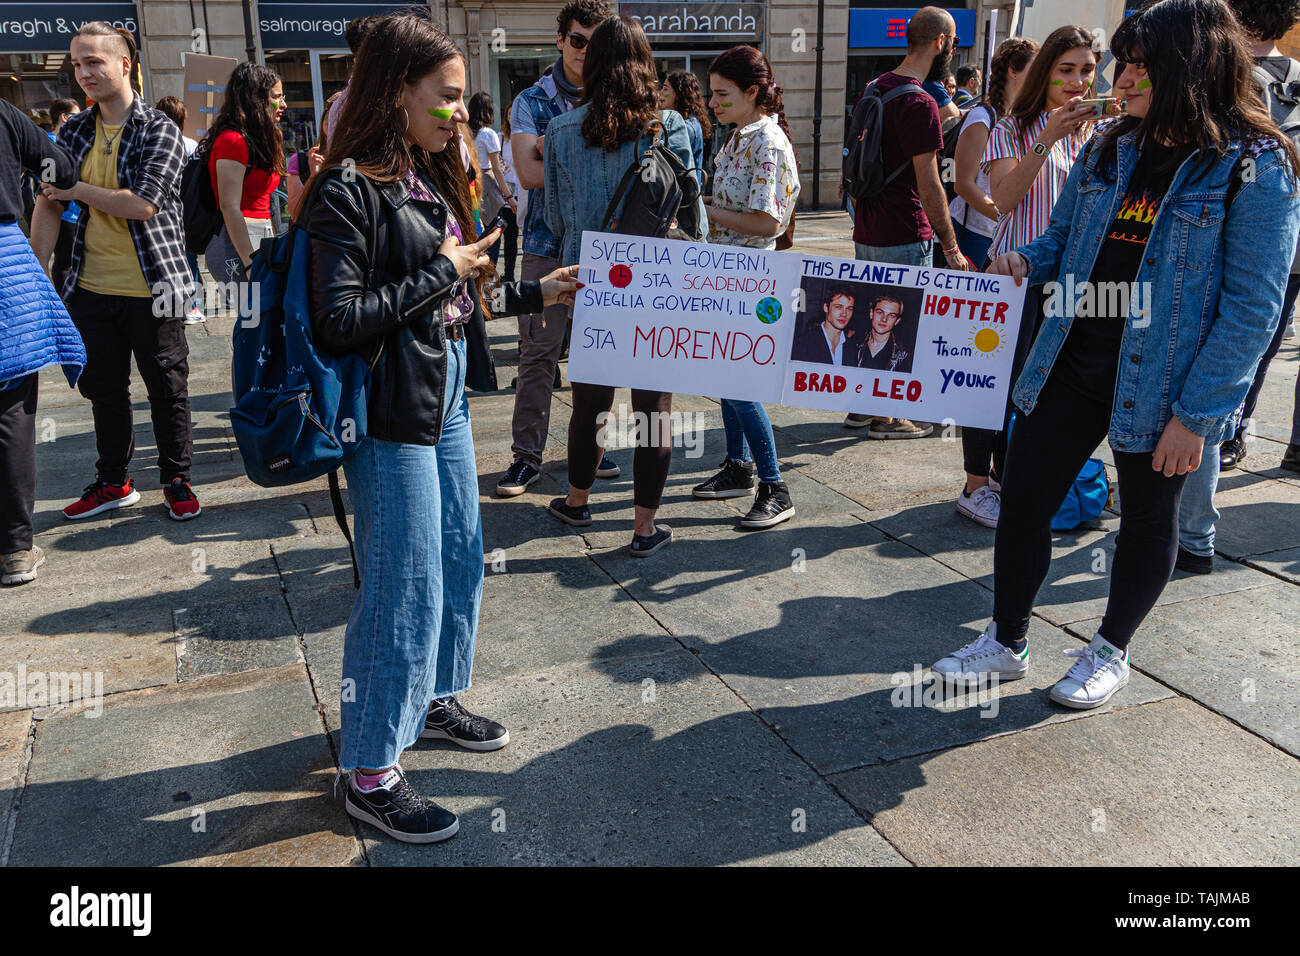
(1100, 671)
(982, 660)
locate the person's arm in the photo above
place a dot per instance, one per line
(499, 172)
(1011, 177)
(45, 229)
(970, 149)
(751, 223)
(49, 162)
(935, 203)
(162, 157)
(293, 187)
(122, 203)
(552, 210)
(230, 188)
(949, 110)
(529, 167)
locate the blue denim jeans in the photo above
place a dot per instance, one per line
(911, 254)
(749, 429)
(419, 544)
(974, 246)
(1197, 515)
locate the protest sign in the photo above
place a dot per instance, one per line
(812, 331)
(205, 90)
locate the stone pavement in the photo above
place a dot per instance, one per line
(730, 700)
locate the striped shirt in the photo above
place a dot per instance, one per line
(1025, 223)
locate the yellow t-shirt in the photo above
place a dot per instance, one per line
(109, 263)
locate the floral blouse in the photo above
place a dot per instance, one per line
(755, 171)
(457, 308)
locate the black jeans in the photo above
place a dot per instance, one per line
(509, 236)
(17, 465)
(654, 450)
(115, 327)
(1046, 451)
(980, 445)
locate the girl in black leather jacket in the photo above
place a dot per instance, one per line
(394, 277)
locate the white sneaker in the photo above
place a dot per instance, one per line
(1101, 670)
(983, 506)
(194, 316)
(981, 660)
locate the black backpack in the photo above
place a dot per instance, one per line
(864, 163)
(201, 216)
(662, 196)
(948, 155)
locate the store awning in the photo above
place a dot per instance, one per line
(318, 25)
(46, 27)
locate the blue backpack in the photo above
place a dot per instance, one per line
(299, 413)
(1087, 497)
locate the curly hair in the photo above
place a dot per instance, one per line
(618, 81)
(1011, 54)
(690, 98)
(586, 13)
(1266, 19)
(248, 93)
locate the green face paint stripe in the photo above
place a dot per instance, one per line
(1058, 82)
(725, 106)
(1144, 84)
(441, 114)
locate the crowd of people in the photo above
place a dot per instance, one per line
(409, 194)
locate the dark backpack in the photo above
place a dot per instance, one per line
(948, 155)
(662, 196)
(864, 163)
(200, 213)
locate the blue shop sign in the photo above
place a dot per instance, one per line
(869, 28)
(317, 25)
(46, 27)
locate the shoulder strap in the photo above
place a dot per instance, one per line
(1234, 187)
(632, 171)
(341, 516)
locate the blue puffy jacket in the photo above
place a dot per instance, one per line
(35, 330)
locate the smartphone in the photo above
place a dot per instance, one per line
(498, 222)
(1104, 106)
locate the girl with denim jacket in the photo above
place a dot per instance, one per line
(1166, 293)
(393, 274)
(588, 150)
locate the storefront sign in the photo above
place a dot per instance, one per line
(317, 26)
(48, 27)
(846, 335)
(888, 28)
(726, 23)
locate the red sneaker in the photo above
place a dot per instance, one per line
(100, 497)
(181, 503)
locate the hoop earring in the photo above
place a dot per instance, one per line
(406, 119)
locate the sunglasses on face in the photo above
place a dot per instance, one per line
(577, 41)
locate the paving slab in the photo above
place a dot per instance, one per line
(1235, 653)
(126, 647)
(601, 771)
(15, 727)
(243, 634)
(247, 751)
(1140, 786)
(1257, 516)
(1283, 564)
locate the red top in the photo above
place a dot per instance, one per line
(895, 217)
(255, 202)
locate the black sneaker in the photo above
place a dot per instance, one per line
(607, 468)
(578, 517)
(735, 480)
(399, 811)
(644, 545)
(1232, 452)
(1291, 458)
(448, 720)
(1194, 563)
(771, 507)
(516, 481)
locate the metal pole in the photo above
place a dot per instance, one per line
(250, 44)
(817, 110)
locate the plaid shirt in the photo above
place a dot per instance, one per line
(150, 157)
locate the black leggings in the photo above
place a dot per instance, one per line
(1046, 451)
(17, 465)
(980, 445)
(654, 451)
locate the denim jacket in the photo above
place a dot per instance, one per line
(582, 179)
(533, 111)
(1216, 279)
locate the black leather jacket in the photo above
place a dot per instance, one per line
(377, 292)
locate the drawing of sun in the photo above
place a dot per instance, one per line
(986, 341)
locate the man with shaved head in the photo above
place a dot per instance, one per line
(901, 222)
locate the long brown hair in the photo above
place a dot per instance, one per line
(619, 83)
(398, 48)
(248, 94)
(746, 66)
(1032, 98)
(1203, 94)
(690, 98)
(1013, 53)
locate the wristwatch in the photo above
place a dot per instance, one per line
(1040, 149)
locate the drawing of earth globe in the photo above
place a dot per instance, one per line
(768, 310)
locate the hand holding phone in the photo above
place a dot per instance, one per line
(1101, 106)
